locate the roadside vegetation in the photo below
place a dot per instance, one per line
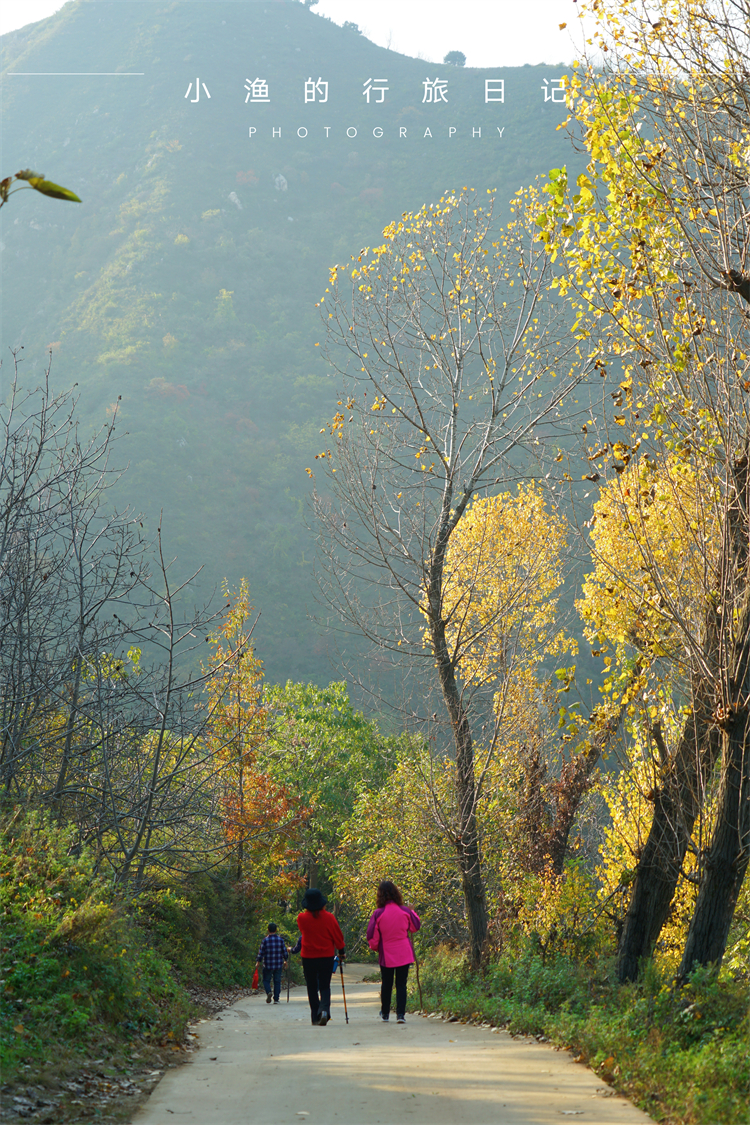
(680, 1054)
(98, 991)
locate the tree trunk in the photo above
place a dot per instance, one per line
(240, 859)
(727, 860)
(469, 855)
(472, 884)
(241, 842)
(679, 799)
(312, 872)
(574, 783)
(677, 802)
(467, 835)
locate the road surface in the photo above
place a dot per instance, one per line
(261, 1064)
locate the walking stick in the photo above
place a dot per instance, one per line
(416, 966)
(287, 981)
(341, 970)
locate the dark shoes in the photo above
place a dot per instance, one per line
(323, 1018)
(268, 998)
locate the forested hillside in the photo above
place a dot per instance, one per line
(186, 281)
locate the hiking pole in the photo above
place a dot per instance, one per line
(416, 966)
(288, 968)
(343, 990)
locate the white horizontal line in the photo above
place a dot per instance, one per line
(77, 73)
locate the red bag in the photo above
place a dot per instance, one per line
(255, 978)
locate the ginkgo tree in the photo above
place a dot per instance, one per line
(505, 570)
(655, 536)
(455, 367)
(503, 582)
(652, 243)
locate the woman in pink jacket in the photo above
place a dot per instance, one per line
(388, 932)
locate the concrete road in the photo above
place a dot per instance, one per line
(262, 1064)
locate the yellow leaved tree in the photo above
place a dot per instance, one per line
(650, 243)
(451, 356)
(655, 540)
(261, 819)
(504, 575)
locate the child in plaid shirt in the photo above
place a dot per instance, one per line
(273, 954)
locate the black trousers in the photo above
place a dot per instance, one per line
(317, 972)
(386, 987)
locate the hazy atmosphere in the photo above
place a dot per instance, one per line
(421, 28)
(375, 520)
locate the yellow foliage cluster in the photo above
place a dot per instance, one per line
(628, 796)
(260, 818)
(655, 540)
(393, 834)
(504, 568)
(632, 231)
(559, 911)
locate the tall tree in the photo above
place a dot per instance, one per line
(506, 566)
(654, 237)
(261, 819)
(454, 366)
(62, 561)
(321, 749)
(656, 541)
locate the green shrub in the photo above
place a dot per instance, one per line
(207, 929)
(76, 971)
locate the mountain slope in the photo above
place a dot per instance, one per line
(186, 282)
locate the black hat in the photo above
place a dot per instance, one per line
(314, 900)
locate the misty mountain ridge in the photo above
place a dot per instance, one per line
(187, 279)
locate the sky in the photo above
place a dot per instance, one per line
(489, 32)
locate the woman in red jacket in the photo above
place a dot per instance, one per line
(320, 937)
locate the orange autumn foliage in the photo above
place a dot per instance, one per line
(261, 819)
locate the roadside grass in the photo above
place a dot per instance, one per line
(78, 980)
(679, 1054)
